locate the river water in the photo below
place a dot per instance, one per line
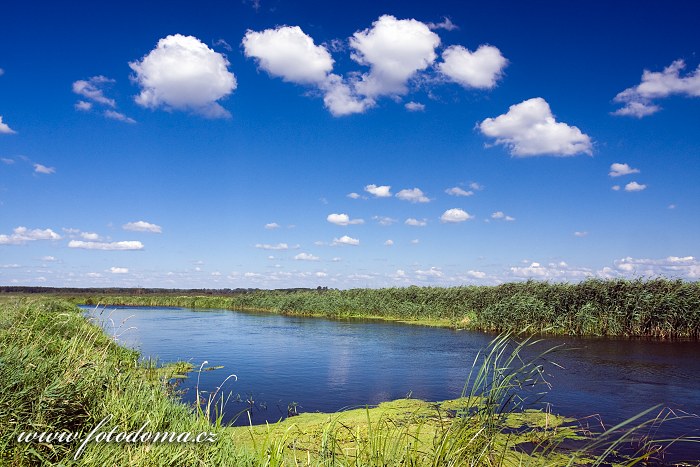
(328, 365)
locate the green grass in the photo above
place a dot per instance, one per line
(58, 372)
(659, 308)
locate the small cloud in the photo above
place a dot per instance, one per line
(83, 106)
(278, 246)
(7, 161)
(384, 220)
(128, 245)
(306, 257)
(337, 259)
(457, 191)
(93, 89)
(343, 219)
(618, 170)
(42, 169)
(49, 259)
(671, 206)
(272, 226)
(414, 106)
(383, 191)
(389, 242)
(22, 235)
(615, 188)
(634, 186)
(115, 270)
(5, 129)
(222, 43)
(445, 24)
(415, 222)
(92, 236)
(142, 226)
(415, 241)
(476, 186)
(455, 215)
(345, 240)
(114, 115)
(93, 275)
(480, 69)
(354, 195)
(500, 215)
(530, 129)
(476, 274)
(580, 234)
(413, 195)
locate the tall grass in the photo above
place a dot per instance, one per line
(659, 308)
(58, 372)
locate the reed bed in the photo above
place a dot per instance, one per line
(659, 308)
(59, 372)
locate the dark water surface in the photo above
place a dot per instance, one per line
(327, 365)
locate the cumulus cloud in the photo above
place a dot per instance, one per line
(21, 235)
(530, 129)
(550, 271)
(343, 219)
(414, 106)
(278, 246)
(306, 257)
(92, 236)
(615, 188)
(413, 195)
(272, 226)
(142, 226)
(618, 170)
(476, 274)
(115, 270)
(634, 186)
(638, 101)
(94, 90)
(128, 245)
(345, 240)
(433, 272)
(389, 242)
(500, 215)
(455, 215)
(341, 99)
(5, 128)
(83, 106)
(457, 191)
(445, 24)
(354, 195)
(395, 50)
(288, 53)
(480, 69)
(384, 220)
(686, 267)
(383, 191)
(183, 73)
(415, 222)
(42, 169)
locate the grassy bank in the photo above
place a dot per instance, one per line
(59, 373)
(659, 308)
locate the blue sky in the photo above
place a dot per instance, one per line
(291, 144)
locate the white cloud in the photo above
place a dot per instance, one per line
(266, 246)
(638, 100)
(10, 266)
(354, 195)
(686, 267)
(552, 270)
(42, 169)
(414, 106)
(455, 215)
(384, 220)
(345, 240)
(50, 259)
(395, 50)
(21, 235)
(530, 129)
(182, 73)
(415, 222)
(457, 191)
(83, 106)
(272, 226)
(634, 186)
(127, 245)
(92, 236)
(445, 24)
(93, 89)
(142, 226)
(382, 191)
(306, 257)
(480, 69)
(287, 52)
(434, 272)
(389, 242)
(343, 219)
(114, 115)
(115, 270)
(618, 169)
(7, 161)
(476, 274)
(615, 188)
(5, 128)
(93, 275)
(340, 99)
(580, 234)
(415, 241)
(413, 195)
(476, 186)
(500, 215)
